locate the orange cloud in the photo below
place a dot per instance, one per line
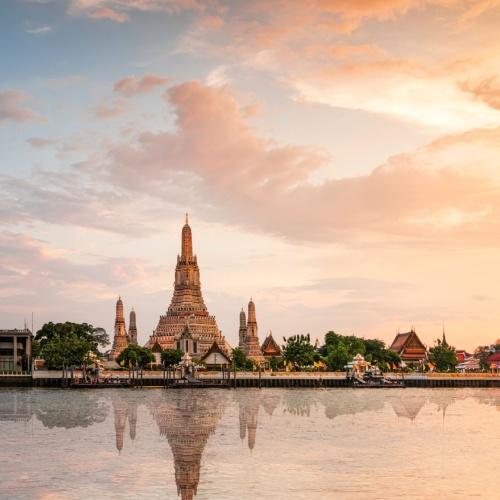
(487, 90)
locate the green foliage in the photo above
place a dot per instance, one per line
(298, 350)
(340, 349)
(171, 357)
(275, 363)
(135, 356)
(36, 349)
(443, 356)
(95, 336)
(240, 360)
(65, 351)
(484, 353)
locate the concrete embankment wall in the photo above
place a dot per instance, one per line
(277, 381)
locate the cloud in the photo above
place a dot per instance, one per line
(42, 30)
(109, 14)
(450, 185)
(215, 162)
(37, 274)
(12, 107)
(487, 91)
(131, 85)
(400, 88)
(39, 142)
(117, 10)
(106, 111)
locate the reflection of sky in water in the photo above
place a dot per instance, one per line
(249, 443)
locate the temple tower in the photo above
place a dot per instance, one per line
(252, 344)
(187, 305)
(132, 328)
(120, 341)
(243, 329)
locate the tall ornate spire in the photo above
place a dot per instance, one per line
(187, 242)
(243, 329)
(251, 312)
(252, 345)
(120, 341)
(132, 328)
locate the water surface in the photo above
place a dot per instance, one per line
(249, 443)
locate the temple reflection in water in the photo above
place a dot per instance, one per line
(189, 419)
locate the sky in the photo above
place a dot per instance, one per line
(338, 160)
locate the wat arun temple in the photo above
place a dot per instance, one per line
(187, 324)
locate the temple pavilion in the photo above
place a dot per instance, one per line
(409, 347)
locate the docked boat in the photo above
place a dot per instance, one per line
(361, 373)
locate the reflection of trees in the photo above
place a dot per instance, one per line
(187, 418)
(68, 409)
(339, 402)
(299, 403)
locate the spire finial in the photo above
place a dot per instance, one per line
(187, 218)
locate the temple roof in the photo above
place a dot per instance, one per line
(408, 340)
(270, 346)
(217, 350)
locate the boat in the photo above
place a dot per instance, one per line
(361, 373)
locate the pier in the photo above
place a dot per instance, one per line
(253, 379)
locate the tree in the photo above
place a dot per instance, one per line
(338, 356)
(338, 350)
(240, 360)
(63, 351)
(135, 356)
(171, 357)
(443, 356)
(298, 350)
(95, 336)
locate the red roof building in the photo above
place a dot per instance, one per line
(462, 355)
(493, 361)
(409, 347)
(270, 348)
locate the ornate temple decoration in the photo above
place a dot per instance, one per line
(187, 309)
(120, 341)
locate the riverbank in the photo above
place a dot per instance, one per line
(53, 378)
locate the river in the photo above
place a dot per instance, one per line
(249, 443)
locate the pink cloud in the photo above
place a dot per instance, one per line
(244, 178)
(110, 14)
(132, 85)
(12, 107)
(106, 111)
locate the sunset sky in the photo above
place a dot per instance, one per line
(339, 161)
